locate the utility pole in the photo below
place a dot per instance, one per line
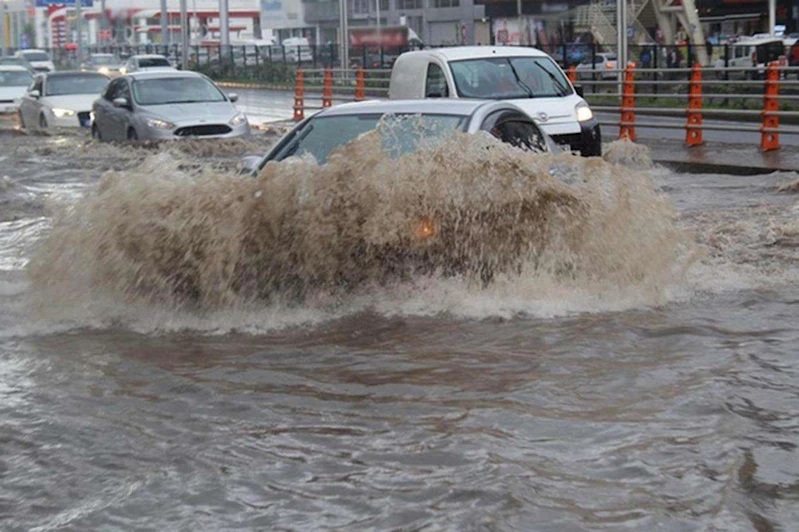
(519, 15)
(224, 24)
(164, 24)
(184, 36)
(3, 9)
(344, 37)
(772, 16)
(621, 39)
(79, 24)
(103, 19)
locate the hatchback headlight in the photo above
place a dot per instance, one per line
(239, 119)
(123, 71)
(61, 113)
(157, 123)
(103, 70)
(584, 113)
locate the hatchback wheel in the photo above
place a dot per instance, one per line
(96, 133)
(132, 135)
(42, 122)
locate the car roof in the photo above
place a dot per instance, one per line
(154, 74)
(37, 50)
(478, 52)
(752, 41)
(66, 73)
(442, 106)
(12, 68)
(102, 55)
(149, 56)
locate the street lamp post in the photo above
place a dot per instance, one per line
(184, 36)
(79, 24)
(344, 37)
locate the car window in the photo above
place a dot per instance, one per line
(150, 62)
(161, 91)
(38, 85)
(76, 84)
(35, 56)
(123, 91)
(322, 135)
(15, 78)
(509, 77)
(521, 134)
(436, 86)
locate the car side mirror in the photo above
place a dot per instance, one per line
(121, 102)
(248, 165)
(34, 94)
(233, 97)
(579, 90)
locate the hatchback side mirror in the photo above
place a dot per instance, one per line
(233, 97)
(34, 94)
(248, 165)
(121, 102)
(579, 90)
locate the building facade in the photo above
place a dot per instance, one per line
(436, 22)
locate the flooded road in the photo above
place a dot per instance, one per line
(439, 405)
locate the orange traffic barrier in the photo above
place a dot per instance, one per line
(770, 140)
(627, 124)
(299, 97)
(359, 86)
(693, 127)
(572, 74)
(327, 91)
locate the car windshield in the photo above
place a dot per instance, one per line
(161, 91)
(77, 84)
(13, 61)
(36, 56)
(401, 133)
(104, 60)
(15, 79)
(502, 78)
(147, 62)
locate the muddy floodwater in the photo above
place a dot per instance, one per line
(163, 367)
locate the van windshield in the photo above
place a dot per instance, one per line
(768, 52)
(502, 78)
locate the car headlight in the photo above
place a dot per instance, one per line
(123, 71)
(239, 119)
(584, 113)
(61, 113)
(157, 123)
(103, 70)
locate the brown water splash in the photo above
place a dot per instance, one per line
(469, 208)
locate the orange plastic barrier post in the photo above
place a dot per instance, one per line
(327, 91)
(572, 74)
(359, 85)
(299, 97)
(627, 124)
(770, 140)
(693, 127)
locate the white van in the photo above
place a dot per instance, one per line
(753, 52)
(527, 77)
(298, 50)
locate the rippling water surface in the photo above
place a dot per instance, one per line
(681, 412)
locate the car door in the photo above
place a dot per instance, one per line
(103, 111)
(122, 115)
(29, 105)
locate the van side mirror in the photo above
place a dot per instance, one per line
(121, 102)
(34, 94)
(233, 97)
(248, 165)
(579, 90)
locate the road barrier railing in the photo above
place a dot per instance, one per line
(778, 95)
(336, 85)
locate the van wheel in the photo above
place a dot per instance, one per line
(96, 133)
(42, 122)
(132, 135)
(22, 121)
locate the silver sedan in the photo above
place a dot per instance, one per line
(166, 105)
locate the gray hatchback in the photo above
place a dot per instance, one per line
(166, 105)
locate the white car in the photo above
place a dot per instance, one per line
(14, 81)
(61, 99)
(602, 65)
(526, 77)
(38, 59)
(138, 63)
